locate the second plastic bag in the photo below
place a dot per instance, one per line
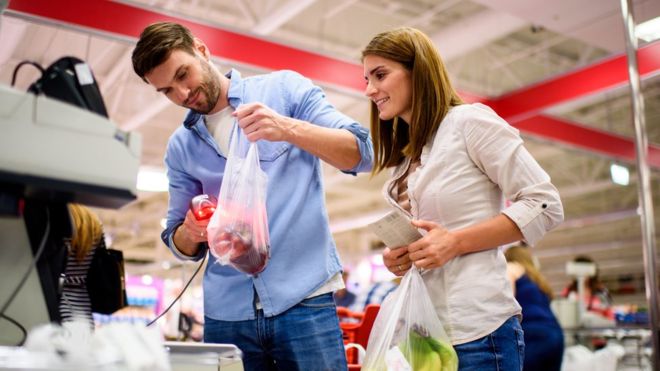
(238, 230)
(407, 334)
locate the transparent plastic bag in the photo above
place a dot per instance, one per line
(407, 334)
(238, 230)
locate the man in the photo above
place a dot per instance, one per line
(284, 317)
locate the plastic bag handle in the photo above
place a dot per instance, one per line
(361, 351)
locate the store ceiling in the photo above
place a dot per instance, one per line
(541, 64)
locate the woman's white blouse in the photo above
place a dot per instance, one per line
(474, 163)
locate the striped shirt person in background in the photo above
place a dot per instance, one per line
(87, 236)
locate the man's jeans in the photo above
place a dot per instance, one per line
(305, 337)
(501, 350)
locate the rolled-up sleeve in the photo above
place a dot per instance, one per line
(363, 140)
(497, 149)
(182, 189)
(310, 104)
(175, 250)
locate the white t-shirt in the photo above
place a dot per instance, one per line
(219, 126)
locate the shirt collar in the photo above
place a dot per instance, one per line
(235, 87)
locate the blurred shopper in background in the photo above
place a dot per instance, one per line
(596, 296)
(375, 294)
(285, 317)
(544, 338)
(344, 297)
(453, 164)
(87, 237)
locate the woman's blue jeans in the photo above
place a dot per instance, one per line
(305, 337)
(501, 350)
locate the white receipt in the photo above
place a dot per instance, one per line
(395, 230)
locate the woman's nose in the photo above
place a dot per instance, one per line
(369, 90)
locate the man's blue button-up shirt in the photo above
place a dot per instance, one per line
(303, 253)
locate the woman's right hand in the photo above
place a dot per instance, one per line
(396, 260)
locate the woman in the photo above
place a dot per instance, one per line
(544, 338)
(87, 236)
(452, 165)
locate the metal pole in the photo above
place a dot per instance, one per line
(644, 184)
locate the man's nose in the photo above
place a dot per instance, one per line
(181, 93)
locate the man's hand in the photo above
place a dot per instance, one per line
(436, 248)
(258, 121)
(190, 234)
(337, 147)
(195, 229)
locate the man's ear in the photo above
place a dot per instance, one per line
(201, 48)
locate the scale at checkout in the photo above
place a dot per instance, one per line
(181, 357)
(185, 356)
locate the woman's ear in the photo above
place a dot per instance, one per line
(201, 48)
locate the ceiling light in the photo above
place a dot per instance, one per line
(151, 179)
(620, 174)
(146, 279)
(649, 30)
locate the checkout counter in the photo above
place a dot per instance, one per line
(53, 153)
(595, 342)
(180, 357)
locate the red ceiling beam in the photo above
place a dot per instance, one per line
(521, 108)
(128, 21)
(598, 77)
(587, 138)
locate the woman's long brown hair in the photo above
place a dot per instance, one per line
(432, 96)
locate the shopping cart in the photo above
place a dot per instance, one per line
(356, 327)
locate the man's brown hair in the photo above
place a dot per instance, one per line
(157, 42)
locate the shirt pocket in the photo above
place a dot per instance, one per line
(271, 151)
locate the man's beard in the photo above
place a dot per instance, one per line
(210, 87)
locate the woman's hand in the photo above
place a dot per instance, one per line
(396, 260)
(435, 249)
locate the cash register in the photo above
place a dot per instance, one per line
(51, 153)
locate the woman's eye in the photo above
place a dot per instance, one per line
(380, 76)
